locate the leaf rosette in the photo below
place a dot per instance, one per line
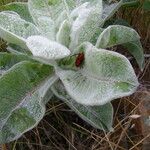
(60, 48)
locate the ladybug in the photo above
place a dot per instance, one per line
(79, 59)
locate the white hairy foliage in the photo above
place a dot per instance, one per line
(43, 48)
(106, 75)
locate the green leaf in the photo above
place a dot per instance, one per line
(121, 22)
(47, 27)
(135, 48)
(105, 76)
(63, 16)
(117, 35)
(43, 48)
(15, 30)
(127, 3)
(22, 98)
(146, 5)
(19, 7)
(7, 60)
(109, 10)
(46, 12)
(100, 117)
(48, 8)
(87, 20)
(15, 49)
(63, 35)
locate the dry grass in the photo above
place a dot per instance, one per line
(62, 129)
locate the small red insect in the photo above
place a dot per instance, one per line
(79, 59)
